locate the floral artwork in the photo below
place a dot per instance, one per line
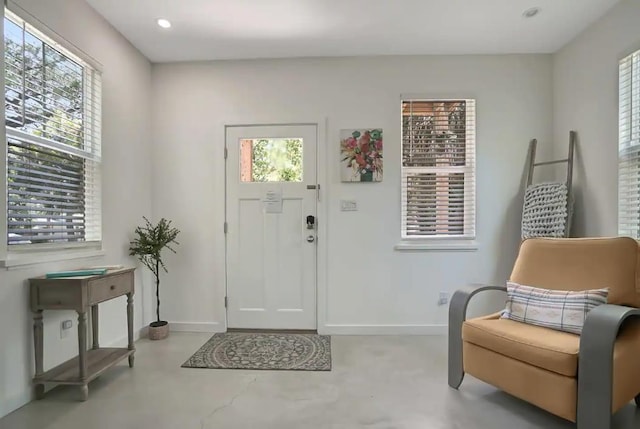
(361, 155)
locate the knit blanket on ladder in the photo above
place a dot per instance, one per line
(544, 213)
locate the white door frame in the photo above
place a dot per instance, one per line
(322, 170)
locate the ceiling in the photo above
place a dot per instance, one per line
(226, 29)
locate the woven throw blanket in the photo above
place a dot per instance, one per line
(545, 210)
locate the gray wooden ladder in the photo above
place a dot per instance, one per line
(568, 160)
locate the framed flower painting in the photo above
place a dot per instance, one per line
(361, 155)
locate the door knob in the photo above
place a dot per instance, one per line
(311, 239)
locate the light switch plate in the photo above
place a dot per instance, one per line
(348, 205)
(443, 298)
(65, 327)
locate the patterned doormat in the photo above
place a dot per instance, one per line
(270, 351)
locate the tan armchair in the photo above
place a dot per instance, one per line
(584, 379)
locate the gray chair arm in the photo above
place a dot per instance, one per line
(595, 365)
(457, 316)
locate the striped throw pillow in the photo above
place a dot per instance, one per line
(555, 309)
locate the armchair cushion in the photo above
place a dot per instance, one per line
(554, 351)
(555, 309)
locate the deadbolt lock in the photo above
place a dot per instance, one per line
(311, 222)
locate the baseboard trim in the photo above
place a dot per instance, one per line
(328, 329)
(337, 329)
(123, 341)
(196, 327)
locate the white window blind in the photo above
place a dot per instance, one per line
(52, 118)
(629, 147)
(438, 169)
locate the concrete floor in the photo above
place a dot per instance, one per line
(376, 382)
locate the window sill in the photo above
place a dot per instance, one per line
(438, 245)
(16, 260)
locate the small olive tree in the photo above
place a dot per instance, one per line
(148, 244)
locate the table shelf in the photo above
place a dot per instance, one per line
(98, 361)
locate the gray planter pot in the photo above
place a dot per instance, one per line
(158, 330)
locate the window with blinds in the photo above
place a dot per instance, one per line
(629, 147)
(438, 169)
(52, 119)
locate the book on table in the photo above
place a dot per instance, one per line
(76, 273)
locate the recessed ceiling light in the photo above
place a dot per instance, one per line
(164, 23)
(530, 13)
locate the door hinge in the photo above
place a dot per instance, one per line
(226, 302)
(226, 153)
(226, 227)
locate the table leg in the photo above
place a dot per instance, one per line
(39, 350)
(94, 326)
(130, 327)
(82, 351)
(39, 391)
(84, 391)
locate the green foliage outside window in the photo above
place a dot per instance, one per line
(277, 160)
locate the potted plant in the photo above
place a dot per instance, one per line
(148, 244)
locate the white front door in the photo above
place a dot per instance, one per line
(271, 228)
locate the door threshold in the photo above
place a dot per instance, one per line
(272, 331)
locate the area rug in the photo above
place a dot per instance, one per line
(267, 351)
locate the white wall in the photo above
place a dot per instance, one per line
(126, 190)
(585, 84)
(370, 287)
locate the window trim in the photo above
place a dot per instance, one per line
(628, 151)
(435, 244)
(442, 242)
(25, 259)
(23, 255)
(59, 42)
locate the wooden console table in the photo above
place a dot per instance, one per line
(80, 294)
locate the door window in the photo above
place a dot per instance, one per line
(271, 160)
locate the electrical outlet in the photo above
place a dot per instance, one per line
(65, 328)
(443, 298)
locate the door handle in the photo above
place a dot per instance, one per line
(311, 238)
